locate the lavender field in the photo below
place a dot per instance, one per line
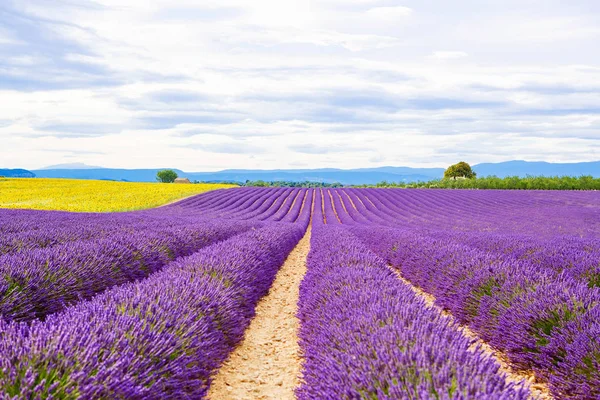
(408, 294)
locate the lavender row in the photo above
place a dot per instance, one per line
(577, 257)
(214, 200)
(265, 204)
(544, 321)
(533, 212)
(88, 253)
(240, 202)
(231, 204)
(36, 224)
(301, 207)
(365, 334)
(14, 221)
(159, 338)
(43, 281)
(287, 205)
(49, 232)
(272, 204)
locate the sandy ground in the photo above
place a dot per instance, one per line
(267, 364)
(539, 389)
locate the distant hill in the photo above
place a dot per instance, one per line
(16, 173)
(538, 168)
(130, 175)
(330, 175)
(348, 177)
(71, 166)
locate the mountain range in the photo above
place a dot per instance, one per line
(16, 173)
(329, 175)
(76, 165)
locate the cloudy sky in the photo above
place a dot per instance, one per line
(207, 85)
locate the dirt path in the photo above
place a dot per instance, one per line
(539, 390)
(267, 364)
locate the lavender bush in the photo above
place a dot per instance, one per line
(515, 305)
(42, 281)
(160, 338)
(365, 334)
(109, 314)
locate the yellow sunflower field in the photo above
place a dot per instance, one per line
(93, 196)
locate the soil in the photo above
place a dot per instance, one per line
(267, 364)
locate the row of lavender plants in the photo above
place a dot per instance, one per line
(574, 256)
(365, 334)
(538, 213)
(221, 203)
(42, 281)
(24, 230)
(159, 338)
(471, 278)
(273, 204)
(544, 316)
(80, 255)
(544, 320)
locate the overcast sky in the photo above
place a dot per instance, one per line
(209, 85)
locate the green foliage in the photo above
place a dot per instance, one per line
(486, 288)
(488, 182)
(166, 176)
(543, 327)
(510, 182)
(459, 170)
(305, 184)
(593, 279)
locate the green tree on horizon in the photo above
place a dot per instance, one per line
(460, 170)
(166, 176)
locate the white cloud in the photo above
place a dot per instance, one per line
(184, 82)
(389, 13)
(448, 55)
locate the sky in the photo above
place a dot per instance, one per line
(211, 85)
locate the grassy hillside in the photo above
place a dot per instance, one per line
(92, 196)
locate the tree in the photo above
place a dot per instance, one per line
(166, 176)
(460, 170)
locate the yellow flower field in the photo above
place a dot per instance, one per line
(93, 196)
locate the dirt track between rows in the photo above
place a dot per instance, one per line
(267, 364)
